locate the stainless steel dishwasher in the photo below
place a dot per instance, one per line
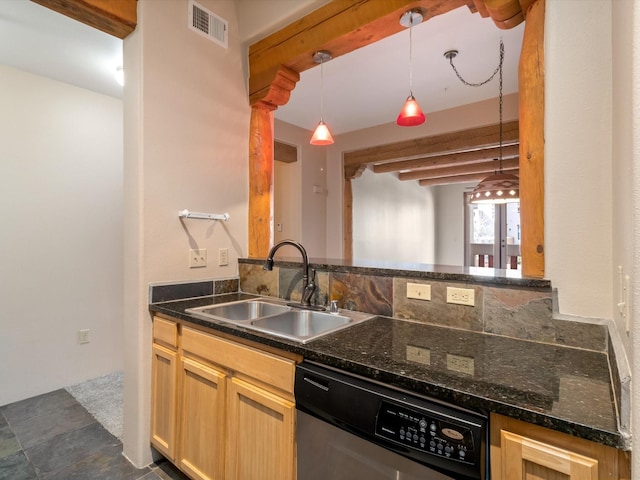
(351, 428)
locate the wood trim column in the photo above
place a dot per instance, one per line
(347, 220)
(531, 99)
(260, 182)
(350, 172)
(261, 160)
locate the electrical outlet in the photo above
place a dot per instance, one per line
(223, 256)
(197, 258)
(458, 363)
(83, 336)
(419, 355)
(461, 296)
(419, 291)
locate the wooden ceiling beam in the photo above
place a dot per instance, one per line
(439, 161)
(484, 167)
(481, 137)
(474, 177)
(115, 17)
(283, 152)
(340, 26)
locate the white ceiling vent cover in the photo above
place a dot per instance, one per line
(207, 23)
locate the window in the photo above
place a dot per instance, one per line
(486, 223)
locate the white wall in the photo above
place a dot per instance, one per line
(622, 153)
(633, 12)
(186, 146)
(286, 201)
(296, 194)
(578, 148)
(61, 255)
(449, 227)
(393, 221)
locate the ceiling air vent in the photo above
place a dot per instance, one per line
(207, 23)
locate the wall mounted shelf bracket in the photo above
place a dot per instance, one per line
(203, 216)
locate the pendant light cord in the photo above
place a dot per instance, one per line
(500, 97)
(321, 89)
(411, 56)
(469, 84)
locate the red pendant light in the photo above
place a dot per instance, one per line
(321, 135)
(411, 113)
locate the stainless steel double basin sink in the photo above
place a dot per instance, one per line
(276, 317)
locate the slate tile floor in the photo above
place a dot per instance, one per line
(53, 437)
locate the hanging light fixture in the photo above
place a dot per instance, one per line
(321, 135)
(500, 187)
(411, 113)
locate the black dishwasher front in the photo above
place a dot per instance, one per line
(352, 428)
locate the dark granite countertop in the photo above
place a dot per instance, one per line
(479, 275)
(562, 388)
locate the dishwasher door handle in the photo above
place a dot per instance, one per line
(316, 383)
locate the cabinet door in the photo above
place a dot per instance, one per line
(523, 458)
(163, 400)
(261, 434)
(202, 420)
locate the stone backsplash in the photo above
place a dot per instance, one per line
(523, 311)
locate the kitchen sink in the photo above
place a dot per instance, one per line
(277, 318)
(302, 325)
(240, 311)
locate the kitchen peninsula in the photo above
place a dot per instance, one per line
(507, 355)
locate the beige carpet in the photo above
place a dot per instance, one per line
(102, 397)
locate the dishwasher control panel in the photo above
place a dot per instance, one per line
(444, 437)
(427, 432)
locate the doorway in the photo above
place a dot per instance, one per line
(492, 235)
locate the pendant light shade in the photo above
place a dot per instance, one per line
(411, 113)
(498, 188)
(321, 135)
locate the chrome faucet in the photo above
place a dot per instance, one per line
(308, 284)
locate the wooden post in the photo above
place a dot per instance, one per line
(531, 98)
(260, 182)
(347, 221)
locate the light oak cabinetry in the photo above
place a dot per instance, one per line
(164, 374)
(521, 451)
(262, 423)
(202, 420)
(233, 411)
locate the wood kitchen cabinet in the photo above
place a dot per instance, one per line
(523, 451)
(202, 421)
(233, 408)
(261, 423)
(164, 373)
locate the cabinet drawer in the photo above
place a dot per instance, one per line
(165, 331)
(270, 369)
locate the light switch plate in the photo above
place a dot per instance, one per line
(197, 258)
(418, 355)
(419, 291)
(223, 257)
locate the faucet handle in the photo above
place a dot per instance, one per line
(334, 306)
